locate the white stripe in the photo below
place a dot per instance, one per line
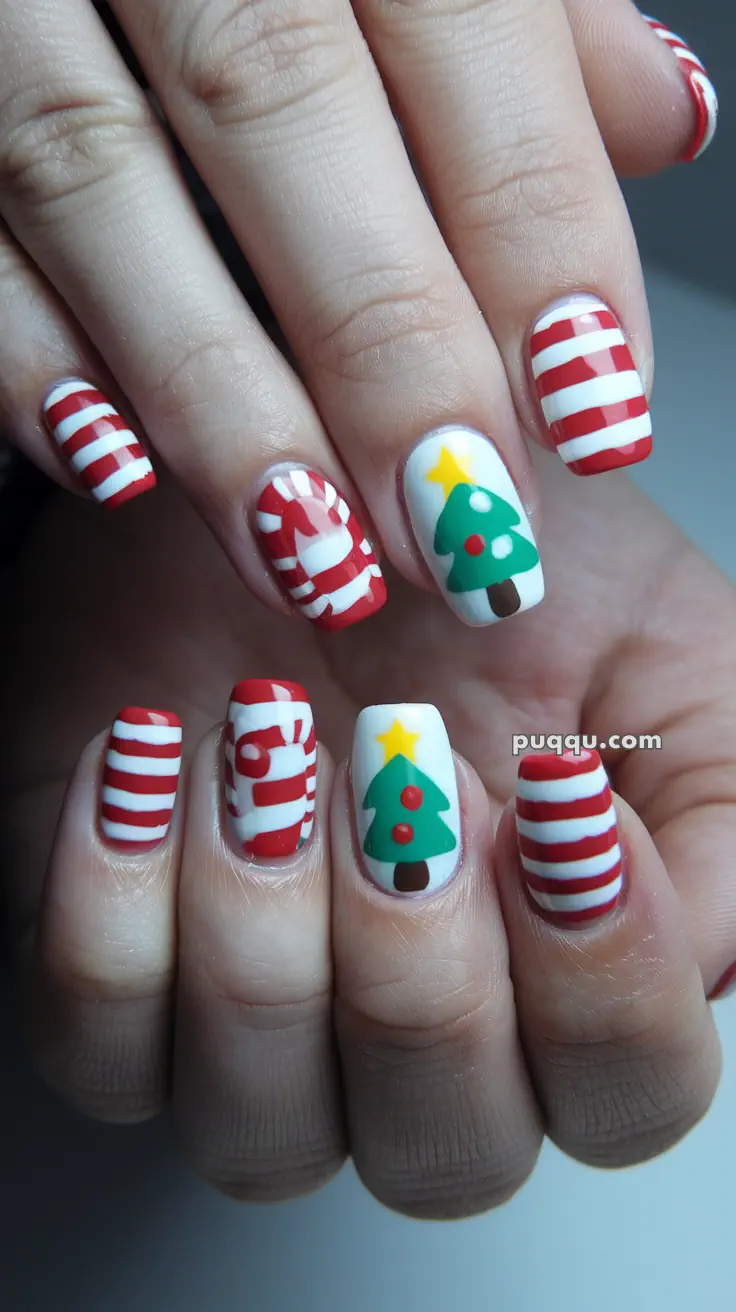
(304, 590)
(143, 764)
(573, 348)
(315, 555)
(311, 786)
(268, 523)
(138, 801)
(366, 547)
(285, 562)
(591, 865)
(711, 101)
(595, 392)
(566, 831)
(345, 597)
(596, 897)
(286, 763)
(282, 488)
(375, 570)
(66, 428)
(247, 718)
(316, 607)
(102, 446)
(160, 734)
(684, 52)
(267, 819)
(606, 439)
(307, 828)
(310, 758)
(133, 833)
(570, 310)
(343, 510)
(569, 789)
(330, 495)
(133, 472)
(300, 480)
(72, 388)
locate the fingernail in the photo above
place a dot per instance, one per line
(324, 562)
(140, 777)
(567, 835)
(405, 796)
(471, 527)
(588, 387)
(270, 768)
(97, 442)
(725, 985)
(699, 85)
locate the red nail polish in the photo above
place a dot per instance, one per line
(699, 85)
(97, 442)
(140, 777)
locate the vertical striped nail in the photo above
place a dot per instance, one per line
(324, 562)
(270, 768)
(97, 442)
(140, 777)
(567, 835)
(471, 527)
(699, 85)
(588, 387)
(405, 796)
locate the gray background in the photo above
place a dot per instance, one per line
(99, 1219)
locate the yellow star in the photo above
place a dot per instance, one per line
(397, 741)
(449, 471)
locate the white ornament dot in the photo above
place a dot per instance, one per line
(501, 547)
(480, 502)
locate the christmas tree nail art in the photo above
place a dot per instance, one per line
(471, 526)
(405, 794)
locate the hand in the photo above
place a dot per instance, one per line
(517, 114)
(467, 1024)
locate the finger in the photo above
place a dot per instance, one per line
(256, 1089)
(103, 965)
(614, 1021)
(442, 1121)
(90, 188)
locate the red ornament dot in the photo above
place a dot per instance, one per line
(252, 760)
(402, 833)
(475, 545)
(411, 797)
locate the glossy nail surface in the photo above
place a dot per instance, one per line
(699, 85)
(270, 768)
(97, 442)
(567, 835)
(140, 777)
(588, 387)
(471, 527)
(726, 985)
(324, 562)
(405, 796)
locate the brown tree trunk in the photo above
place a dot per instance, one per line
(503, 598)
(411, 876)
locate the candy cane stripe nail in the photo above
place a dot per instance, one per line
(97, 442)
(568, 836)
(325, 564)
(140, 777)
(701, 89)
(588, 387)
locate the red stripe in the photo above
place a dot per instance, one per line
(329, 580)
(590, 421)
(270, 792)
(101, 469)
(584, 368)
(73, 404)
(267, 738)
(142, 819)
(140, 783)
(574, 326)
(585, 884)
(311, 742)
(580, 850)
(145, 715)
(134, 747)
(131, 490)
(90, 433)
(613, 458)
(282, 842)
(575, 810)
(252, 692)
(566, 765)
(578, 917)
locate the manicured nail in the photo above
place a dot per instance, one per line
(324, 561)
(270, 768)
(567, 834)
(97, 442)
(140, 777)
(590, 392)
(699, 85)
(471, 526)
(725, 985)
(405, 795)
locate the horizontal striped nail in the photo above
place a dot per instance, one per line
(325, 564)
(97, 442)
(699, 85)
(405, 796)
(567, 835)
(140, 777)
(270, 768)
(588, 387)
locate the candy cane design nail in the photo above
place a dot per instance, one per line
(97, 442)
(699, 85)
(324, 561)
(588, 387)
(567, 835)
(270, 768)
(140, 777)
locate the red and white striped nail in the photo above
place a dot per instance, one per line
(97, 442)
(567, 836)
(270, 768)
(699, 85)
(313, 540)
(140, 777)
(588, 387)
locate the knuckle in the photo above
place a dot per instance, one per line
(535, 182)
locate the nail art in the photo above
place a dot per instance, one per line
(140, 777)
(725, 985)
(567, 835)
(471, 527)
(405, 796)
(699, 85)
(270, 768)
(97, 442)
(324, 561)
(588, 387)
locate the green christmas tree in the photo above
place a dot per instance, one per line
(407, 828)
(479, 529)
